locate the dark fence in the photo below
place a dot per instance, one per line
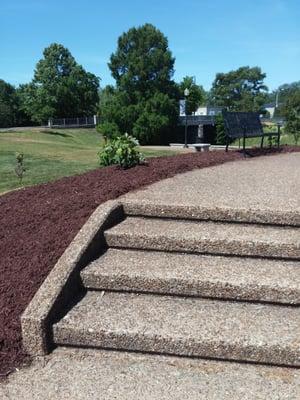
(75, 122)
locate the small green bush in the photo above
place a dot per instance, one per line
(221, 137)
(122, 151)
(20, 169)
(109, 130)
(220, 130)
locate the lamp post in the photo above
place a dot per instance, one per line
(186, 94)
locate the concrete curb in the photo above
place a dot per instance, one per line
(64, 282)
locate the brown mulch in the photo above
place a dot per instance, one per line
(38, 223)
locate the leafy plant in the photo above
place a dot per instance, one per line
(20, 169)
(108, 130)
(293, 115)
(122, 151)
(220, 130)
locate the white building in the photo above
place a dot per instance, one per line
(270, 108)
(208, 110)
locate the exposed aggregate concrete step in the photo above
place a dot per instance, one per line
(88, 374)
(195, 275)
(262, 190)
(206, 237)
(184, 326)
(155, 208)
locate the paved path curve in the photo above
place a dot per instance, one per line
(266, 184)
(261, 185)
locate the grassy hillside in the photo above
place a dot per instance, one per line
(284, 139)
(50, 154)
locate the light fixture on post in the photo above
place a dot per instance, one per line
(186, 95)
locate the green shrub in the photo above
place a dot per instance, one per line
(221, 137)
(109, 130)
(122, 151)
(220, 130)
(20, 169)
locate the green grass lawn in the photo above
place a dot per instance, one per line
(51, 154)
(284, 139)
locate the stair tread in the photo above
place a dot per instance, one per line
(195, 274)
(184, 326)
(206, 236)
(88, 374)
(154, 208)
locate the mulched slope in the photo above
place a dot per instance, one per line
(38, 223)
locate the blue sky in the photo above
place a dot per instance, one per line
(205, 36)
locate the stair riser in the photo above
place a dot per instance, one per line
(228, 247)
(212, 214)
(190, 288)
(176, 346)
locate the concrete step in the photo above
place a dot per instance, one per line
(156, 208)
(183, 326)
(206, 237)
(195, 275)
(79, 374)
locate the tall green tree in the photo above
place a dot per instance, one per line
(282, 95)
(8, 105)
(144, 101)
(196, 96)
(240, 90)
(60, 87)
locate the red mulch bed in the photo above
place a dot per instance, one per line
(38, 223)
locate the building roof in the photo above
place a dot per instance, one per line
(270, 105)
(197, 120)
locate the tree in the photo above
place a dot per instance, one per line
(60, 87)
(142, 62)
(8, 105)
(282, 95)
(196, 96)
(292, 114)
(144, 101)
(240, 90)
(153, 117)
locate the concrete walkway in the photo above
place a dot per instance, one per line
(263, 185)
(91, 374)
(253, 188)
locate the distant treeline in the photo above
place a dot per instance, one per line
(144, 99)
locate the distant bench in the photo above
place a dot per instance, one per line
(246, 125)
(200, 146)
(196, 146)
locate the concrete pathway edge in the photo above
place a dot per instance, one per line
(61, 283)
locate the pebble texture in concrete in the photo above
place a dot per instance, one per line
(206, 237)
(89, 374)
(184, 326)
(265, 189)
(62, 282)
(195, 275)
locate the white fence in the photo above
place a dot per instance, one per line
(76, 122)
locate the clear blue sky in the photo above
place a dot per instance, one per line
(205, 36)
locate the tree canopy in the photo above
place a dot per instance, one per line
(196, 96)
(240, 90)
(291, 112)
(8, 105)
(60, 87)
(144, 101)
(282, 94)
(142, 62)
